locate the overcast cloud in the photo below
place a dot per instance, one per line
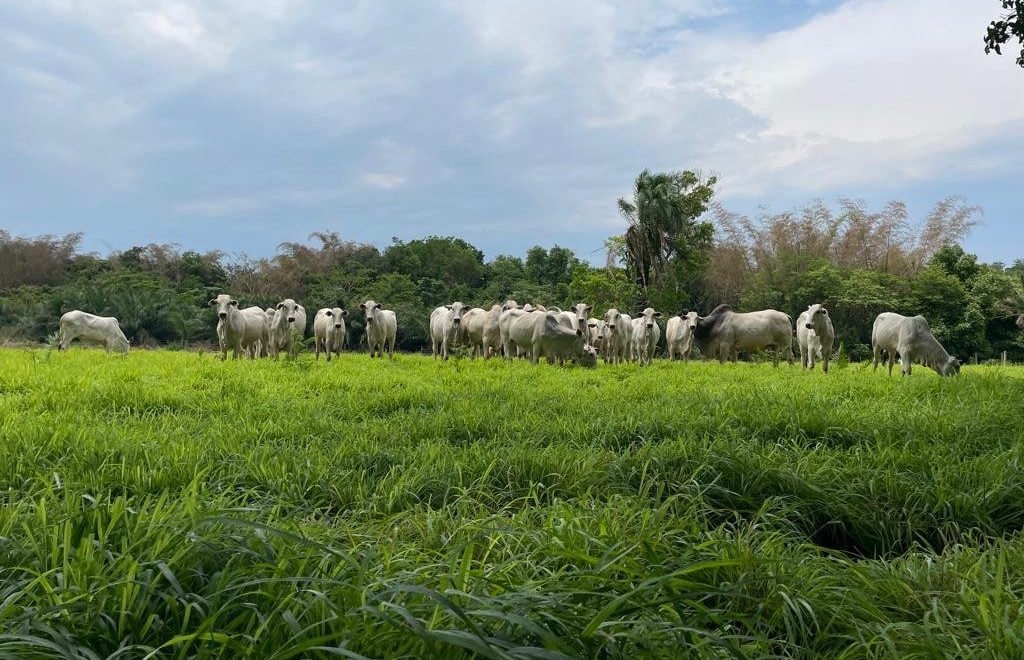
(241, 124)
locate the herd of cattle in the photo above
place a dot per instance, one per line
(529, 331)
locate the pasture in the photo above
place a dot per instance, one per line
(169, 504)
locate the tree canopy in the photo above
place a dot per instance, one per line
(1006, 29)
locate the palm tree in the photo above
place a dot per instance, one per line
(662, 225)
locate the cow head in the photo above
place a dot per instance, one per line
(457, 309)
(582, 311)
(370, 309)
(288, 307)
(611, 318)
(509, 304)
(817, 316)
(587, 357)
(648, 316)
(690, 321)
(951, 368)
(337, 315)
(223, 303)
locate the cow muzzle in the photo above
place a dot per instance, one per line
(223, 315)
(291, 319)
(650, 325)
(808, 326)
(693, 327)
(456, 321)
(337, 326)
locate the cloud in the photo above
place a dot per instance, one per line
(514, 123)
(383, 180)
(867, 93)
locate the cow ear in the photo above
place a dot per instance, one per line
(380, 306)
(328, 313)
(362, 306)
(213, 301)
(234, 303)
(592, 324)
(579, 333)
(448, 307)
(280, 305)
(344, 313)
(657, 315)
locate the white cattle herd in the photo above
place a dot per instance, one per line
(534, 331)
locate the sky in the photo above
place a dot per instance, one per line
(239, 124)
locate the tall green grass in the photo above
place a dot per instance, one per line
(169, 505)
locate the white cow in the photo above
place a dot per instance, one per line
(582, 313)
(815, 335)
(597, 333)
(329, 331)
(725, 332)
(483, 331)
(264, 347)
(912, 338)
(620, 334)
(541, 334)
(646, 334)
(505, 321)
(91, 329)
(445, 328)
(679, 335)
(241, 330)
(381, 328)
(287, 328)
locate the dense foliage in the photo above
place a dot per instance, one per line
(857, 261)
(405, 508)
(1007, 29)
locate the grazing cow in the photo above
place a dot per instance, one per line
(329, 331)
(620, 334)
(815, 335)
(445, 328)
(912, 338)
(482, 330)
(679, 335)
(91, 329)
(646, 333)
(241, 330)
(726, 332)
(381, 328)
(288, 325)
(540, 333)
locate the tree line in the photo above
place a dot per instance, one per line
(679, 252)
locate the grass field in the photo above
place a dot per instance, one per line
(170, 504)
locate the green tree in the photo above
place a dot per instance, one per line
(449, 260)
(551, 267)
(602, 287)
(1006, 29)
(663, 234)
